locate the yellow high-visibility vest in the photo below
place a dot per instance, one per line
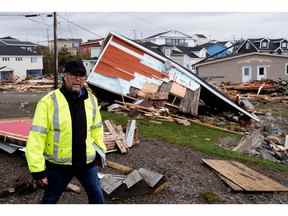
(50, 137)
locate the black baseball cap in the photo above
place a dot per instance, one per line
(75, 67)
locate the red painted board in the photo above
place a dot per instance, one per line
(15, 127)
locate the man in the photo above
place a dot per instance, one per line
(66, 138)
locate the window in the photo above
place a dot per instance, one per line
(264, 44)
(247, 45)
(18, 59)
(261, 71)
(247, 71)
(33, 59)
(286, 69)
(5, 59)
(167, 52)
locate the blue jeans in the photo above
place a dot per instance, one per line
(59, 177)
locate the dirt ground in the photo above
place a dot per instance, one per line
(188, 180)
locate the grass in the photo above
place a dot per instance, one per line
(199, 138)
(210, 197)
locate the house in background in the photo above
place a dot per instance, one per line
(176, 38)
(91, 48)
(188, 56)
(71, 44)
(89, 64)
(245, 68)
(19, 63)
(13, 42)
(263, 45)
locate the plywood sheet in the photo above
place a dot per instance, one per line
(150, 88)
(244, 177)
(178, 90)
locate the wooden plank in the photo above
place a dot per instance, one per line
(130, 131)
(245, 177)
(234, 186)
(119, 167)
(118, 141)
(121, 136)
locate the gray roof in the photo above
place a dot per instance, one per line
(9, 41)
(200, 35)
(273, 44)
(162, 33)
(15, 51)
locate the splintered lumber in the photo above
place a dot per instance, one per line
(118, 141)
(190, 102)
(119, 167)
(214, 127)
(121, 135)
(244, 177)
(130, 131)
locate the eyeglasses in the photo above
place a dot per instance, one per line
(77, 77)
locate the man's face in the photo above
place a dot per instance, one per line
(74, 82)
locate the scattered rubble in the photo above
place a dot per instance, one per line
(43, 84)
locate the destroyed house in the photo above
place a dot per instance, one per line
(125, 66)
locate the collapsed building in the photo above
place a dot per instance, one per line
(126, 69)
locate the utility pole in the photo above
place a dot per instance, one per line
(55, 52)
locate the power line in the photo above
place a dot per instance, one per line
(81, 27)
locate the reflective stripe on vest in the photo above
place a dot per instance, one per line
(56, 127)
(97, 125)
(94, 107)
(66, 160)
(39, 129)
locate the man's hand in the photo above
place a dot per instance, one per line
(42, 183)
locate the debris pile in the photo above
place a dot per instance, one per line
(131, 183)
(157, 115)
(43, 84)
(116, 138)
(14, 133)
(269, 141)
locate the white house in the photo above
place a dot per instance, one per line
(172, 38)
(177, 38)
(19, 63)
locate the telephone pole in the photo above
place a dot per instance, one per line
(55, 52)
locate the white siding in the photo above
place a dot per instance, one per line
(20, 67)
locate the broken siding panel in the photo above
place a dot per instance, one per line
(183, 79)
(121, 59)
(112, 84)
(140, 80)
(110, 71)
(152, 62)
(125, 44)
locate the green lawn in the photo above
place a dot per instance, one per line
(199, 138)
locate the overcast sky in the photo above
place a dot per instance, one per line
(215, 25)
